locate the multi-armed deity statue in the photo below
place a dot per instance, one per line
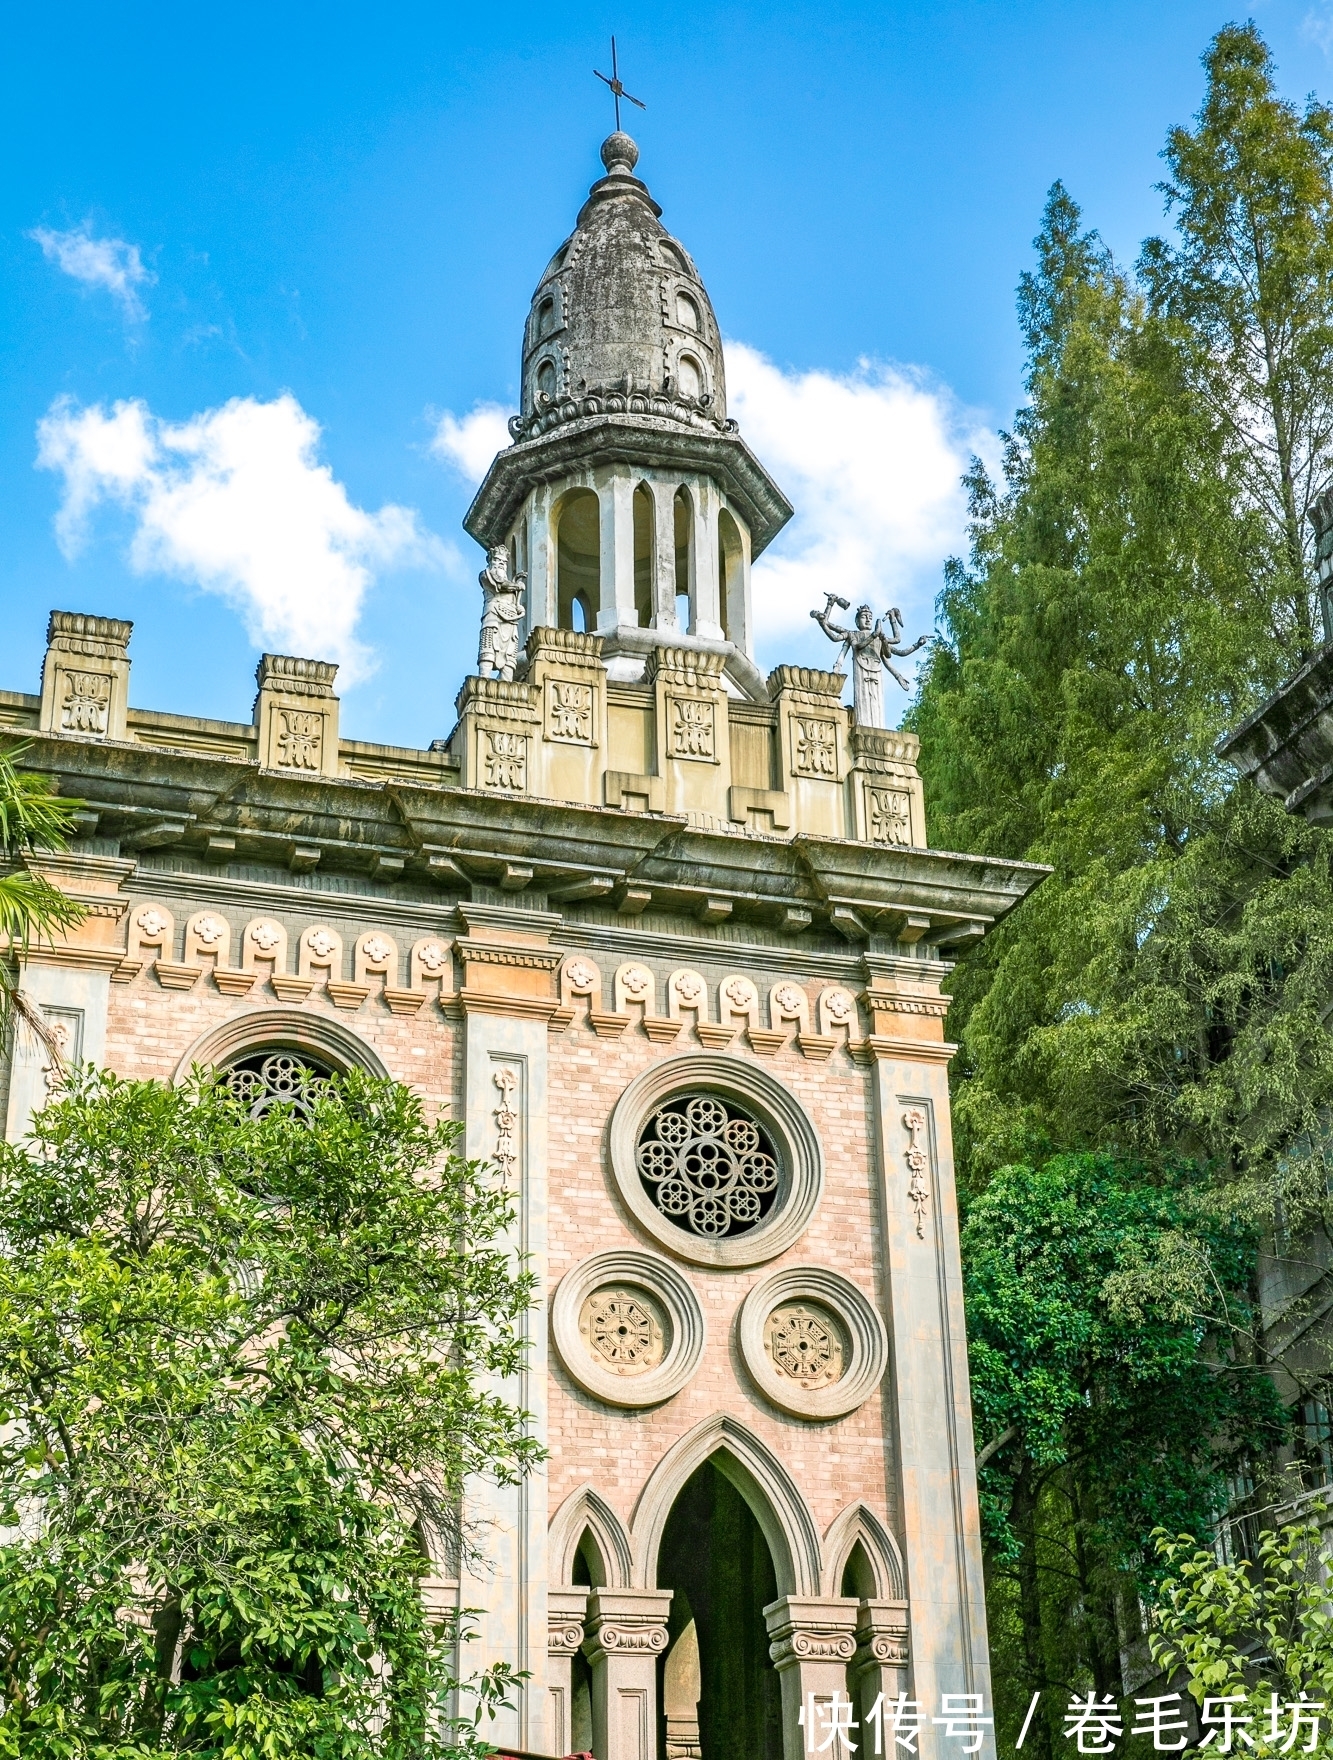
(872, 648)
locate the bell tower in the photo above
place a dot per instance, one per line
(629, 499)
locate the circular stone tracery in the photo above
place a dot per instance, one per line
(707, 1165)
(628, 1327)
(272, 1078)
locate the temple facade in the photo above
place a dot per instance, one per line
(666, 933)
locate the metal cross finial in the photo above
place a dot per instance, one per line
(617, 89)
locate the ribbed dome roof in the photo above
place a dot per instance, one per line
(621, 310)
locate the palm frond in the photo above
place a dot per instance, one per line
(18, 1013)
(31, 906)
(32, 814)
(32, 817)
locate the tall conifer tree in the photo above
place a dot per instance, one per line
(1138, 580)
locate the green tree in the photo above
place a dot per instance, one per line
(1257, 1634)
(1137, 582)
(245, 1367)
(1248, 286)
(1102, 1303)
(1115, 618)
(32, 817)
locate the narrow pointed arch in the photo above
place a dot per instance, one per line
(584, 1512)
(858, 1522)
(762, 1480)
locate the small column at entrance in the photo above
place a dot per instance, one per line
(564, 1619)
(880, 1665)
(812, 1643)
(627, 1633)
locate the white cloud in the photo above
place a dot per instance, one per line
(470, 442)
(871, 461)
(235, 501)
(1317, 26)
(99, 262)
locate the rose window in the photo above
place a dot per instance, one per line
(707, 1166)
(277, 1078)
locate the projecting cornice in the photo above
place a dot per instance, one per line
(627, 439)
(442, 840)
(1286, 746)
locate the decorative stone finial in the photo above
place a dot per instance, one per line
(619, 153)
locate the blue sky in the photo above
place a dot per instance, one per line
(336, 216)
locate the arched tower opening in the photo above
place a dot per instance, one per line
(715, 1560)
(578, 552)
(731, 578)
(643, 554)
(683, 515)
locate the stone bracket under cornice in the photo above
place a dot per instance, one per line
(452, 839)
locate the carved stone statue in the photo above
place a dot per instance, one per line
(872, 649)
(502, 613)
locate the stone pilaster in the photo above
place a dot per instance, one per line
(931, 1413)
(86, 676)
(888, 802)
(813, 728)
(904, 1000)
(499, 724)
(705, 587)
(296, 714)
(565, 1611)
(69, 978)
(569, 756)
(664, 554)
(508, 996)
(615, 498)
(626, 1634)
(693, 749)
(812, 1641)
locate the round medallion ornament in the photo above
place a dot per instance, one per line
(708, 1166)
(628, 1328)
(812, 1342)
(624, 1329)
(806, 1344)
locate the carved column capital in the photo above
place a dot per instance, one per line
(626, 1622)
(804, 1630)
(565, 1609)
(882, 1635)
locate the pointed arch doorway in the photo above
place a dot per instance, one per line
(719, 1696)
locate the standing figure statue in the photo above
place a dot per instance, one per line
(502, 612)
(872, 648)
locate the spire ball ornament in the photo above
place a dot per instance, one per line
(619, 153)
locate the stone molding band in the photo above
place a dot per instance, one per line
(868, 1338)
(294, 1028)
